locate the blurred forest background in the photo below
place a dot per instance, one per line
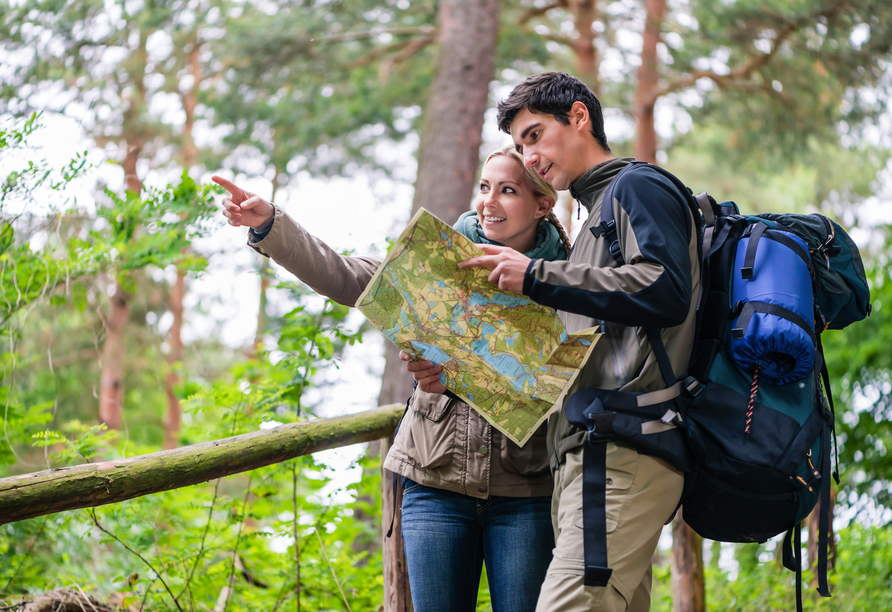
(132, 320)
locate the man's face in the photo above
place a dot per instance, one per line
(559, 153)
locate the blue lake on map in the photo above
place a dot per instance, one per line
(431, 353)
(458, 313)
(501, 299)
(507, 365)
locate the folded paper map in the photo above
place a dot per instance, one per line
(505, 355)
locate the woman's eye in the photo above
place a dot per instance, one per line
(509, 190)
(483, 186)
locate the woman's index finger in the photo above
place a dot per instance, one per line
(238, 194)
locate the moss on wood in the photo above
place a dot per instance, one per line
(108, 482)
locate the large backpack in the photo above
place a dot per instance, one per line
(755, 419)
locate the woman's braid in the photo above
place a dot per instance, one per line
(551, 217)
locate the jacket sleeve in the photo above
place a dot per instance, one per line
(323, 269)
(653, 288)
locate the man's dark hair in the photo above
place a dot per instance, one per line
(553, 93)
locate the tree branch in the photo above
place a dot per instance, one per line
(741, 75)
(411, 49)
(426, 30)
(97, 484)
(377, 52)
(532, 13)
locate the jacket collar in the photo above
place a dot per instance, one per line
(588, 188)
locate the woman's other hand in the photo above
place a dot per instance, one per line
(425, 373)
(243, 207)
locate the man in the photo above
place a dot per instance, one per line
(557, 125)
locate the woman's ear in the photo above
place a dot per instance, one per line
(546, 203)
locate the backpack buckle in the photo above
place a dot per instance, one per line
(603, 228)
(600, 425)
(692, 386)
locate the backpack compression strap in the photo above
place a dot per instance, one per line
(594, 496)
(594, 514)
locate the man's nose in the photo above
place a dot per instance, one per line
(530, 158)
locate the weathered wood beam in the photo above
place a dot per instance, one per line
(96, 484)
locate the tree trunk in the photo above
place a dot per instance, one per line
(448, 159)
(189, 154)
(174, 361)
(396, 387)
(111, 378)
(264, 271)
(688, 590)
(453, 118)
(97, 484)
(645, 94)
(585, 12)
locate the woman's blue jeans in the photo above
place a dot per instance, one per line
(448, 536)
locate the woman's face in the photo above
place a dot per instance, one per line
(506, 206)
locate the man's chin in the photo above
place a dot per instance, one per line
(556, 182)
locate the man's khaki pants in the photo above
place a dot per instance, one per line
(642, 494)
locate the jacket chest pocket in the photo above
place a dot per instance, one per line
(431, 431)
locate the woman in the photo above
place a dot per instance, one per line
(471, 495)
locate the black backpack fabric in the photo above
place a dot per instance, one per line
(757, 454)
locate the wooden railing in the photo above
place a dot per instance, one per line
(96, 484)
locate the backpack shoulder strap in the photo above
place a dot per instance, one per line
(607, 228)
(696, 204)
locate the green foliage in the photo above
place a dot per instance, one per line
(186, 545)
(858, 357)
(757, 582)
(58, 262)
(316, 90)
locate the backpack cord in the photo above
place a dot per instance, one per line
(753, 391)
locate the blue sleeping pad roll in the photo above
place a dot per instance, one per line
(773, 305)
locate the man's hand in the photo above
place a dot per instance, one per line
(425, 373)
(507, 265)
(243, 207)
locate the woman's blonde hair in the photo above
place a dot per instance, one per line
(540, 188)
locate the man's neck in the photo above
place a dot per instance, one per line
(595, 156)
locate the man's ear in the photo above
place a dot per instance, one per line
(579, 117)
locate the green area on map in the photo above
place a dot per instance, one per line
(508, 357)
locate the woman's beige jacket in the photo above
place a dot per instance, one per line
(441, 441)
